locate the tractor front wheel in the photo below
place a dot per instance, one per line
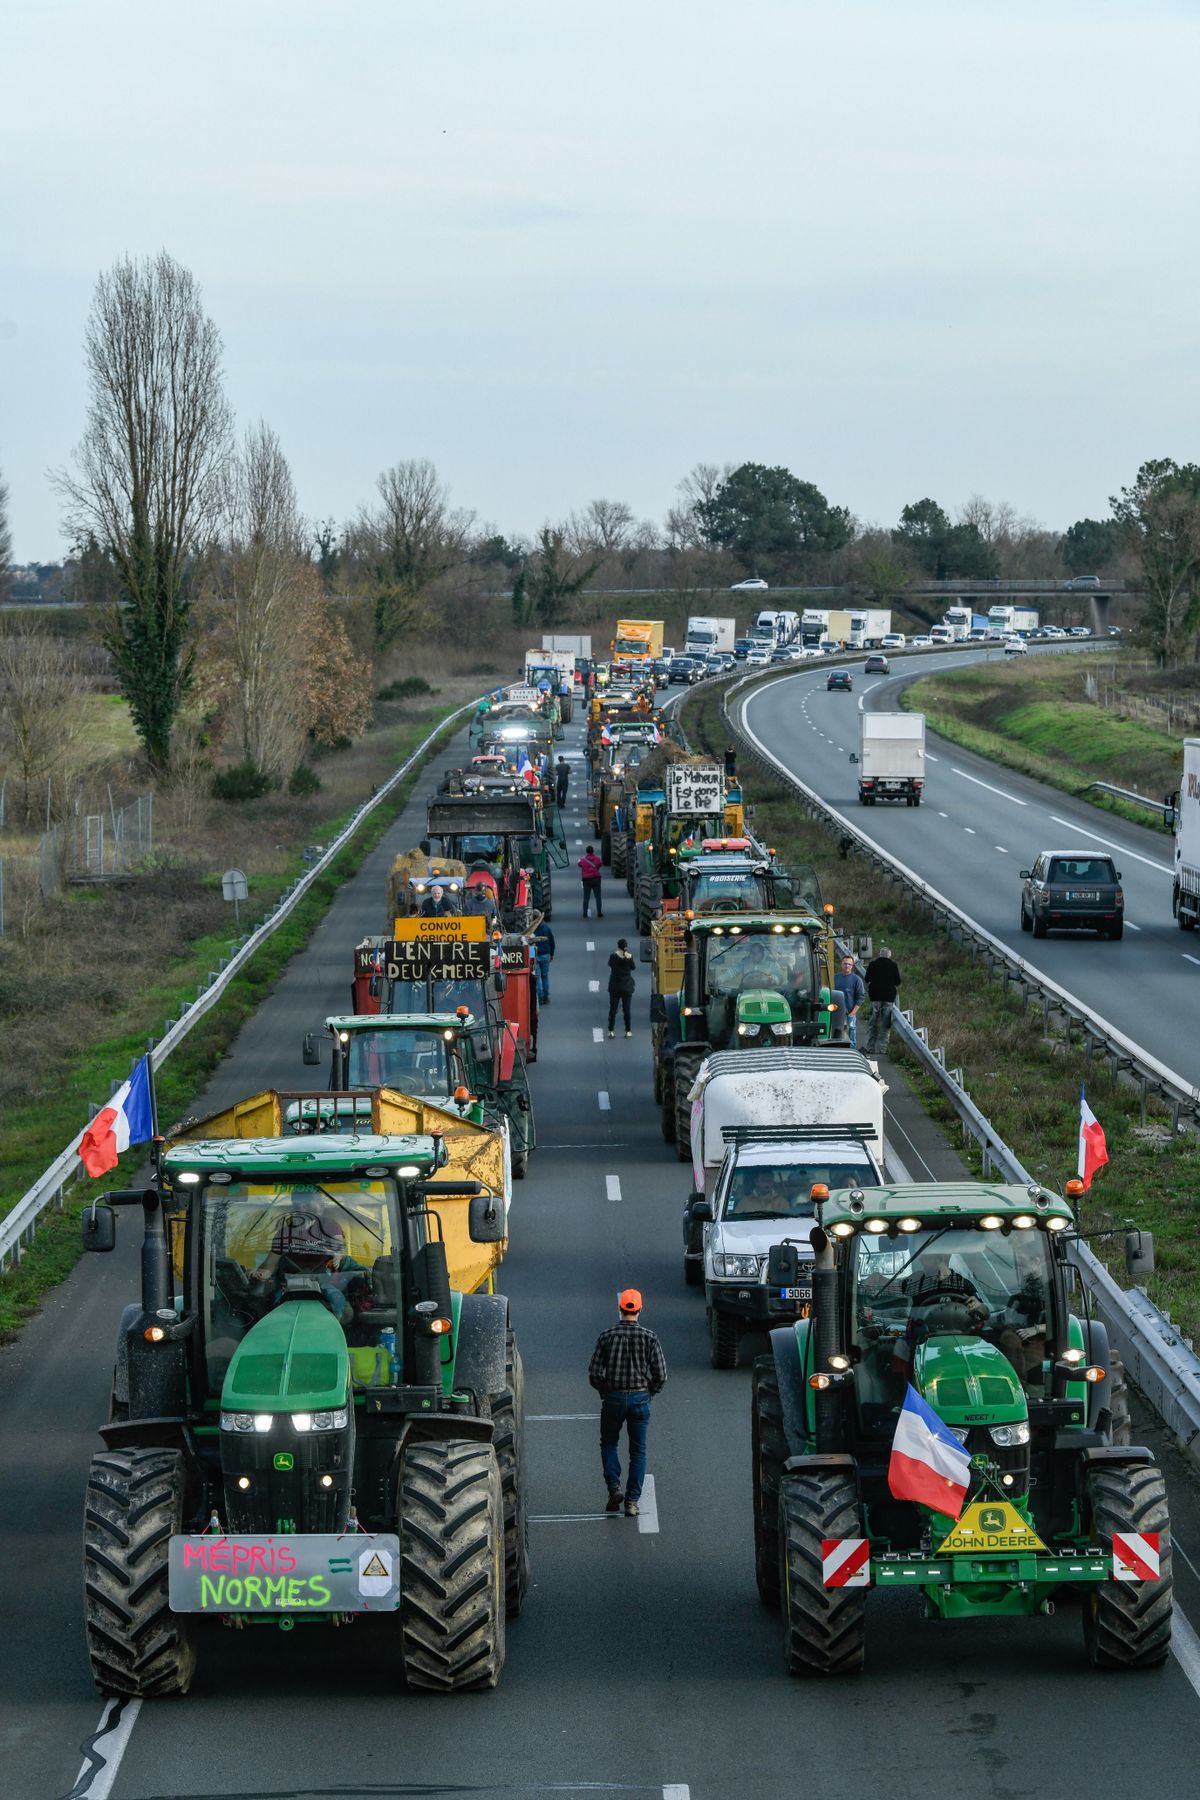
(768, 1452)
(1127, 1624)
(1118, 1401)
(686, 1069)
(723, 1339)
(666, 1086)
(134, 1506)
(508, 1419)
(451, 1519)
(823, 1628)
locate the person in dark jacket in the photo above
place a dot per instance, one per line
(543, 956)
(438, 904)
(621, 984)
(883, 984)
(730, 762)
(562, 779)
(590, 871)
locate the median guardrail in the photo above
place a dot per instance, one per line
(1158, 1360)
(17, 1228)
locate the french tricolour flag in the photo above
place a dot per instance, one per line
(928, 1464)
(1093, 1151)
(127, 1119)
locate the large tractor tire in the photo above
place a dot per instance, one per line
(1117, 1400)
(666, 1083)
(823, 1628)
(520, 1164)
(1127, 1624)
(723, 1340)
(135, 1505)
(606, 848)
(451, 1518)
(686, 1068)
(508, 1441)
(769, 1452)
(620, 853)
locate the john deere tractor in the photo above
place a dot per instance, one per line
(940, 1353)
(306, 1423)
(742, 970)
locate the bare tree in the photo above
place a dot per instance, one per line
(147, 475)
(41, 710)
(603, 526)
(404, 543)
(5, 543)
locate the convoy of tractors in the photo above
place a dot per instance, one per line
(317, 1402)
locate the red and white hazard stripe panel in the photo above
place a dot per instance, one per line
(1135, 1556)
(846, 1562)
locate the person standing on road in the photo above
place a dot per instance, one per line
(730, 762)
(621, 984)
(591, 869)
(627, 1369)
(562, 778)
(543, 956)
(852, 992)
(883, 984)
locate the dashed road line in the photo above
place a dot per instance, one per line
(590, 944)
(970, 830)
(612, 1187)
(1150, 861)
(990, 788)
(597, 1035)
(648, 1507)
(1000, 848)
(943, 815)
(1188, 958)
(593, 987)
(551, 1418)
(605, 1103)
(99, 1769)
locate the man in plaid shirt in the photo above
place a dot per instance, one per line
(627, 1369)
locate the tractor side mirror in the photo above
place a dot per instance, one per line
(700, 1209)
(783, 1266)
(485, 1220)
(424, 848)
(1025, 874)
(1139, 1252)
(311, 1049)
(647, 949)
(99, 1227)
(854, 756)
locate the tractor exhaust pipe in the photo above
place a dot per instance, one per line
(155, 1256)
(826, 1338)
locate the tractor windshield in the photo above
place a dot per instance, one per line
(256, 1237)
(964, 1281)
(737, 890)
(781, 963)
(416, 1062)
(439, 997)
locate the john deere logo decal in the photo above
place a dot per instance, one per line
(984, 1530)
(283, 1459)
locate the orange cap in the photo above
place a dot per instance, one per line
(630, 1301)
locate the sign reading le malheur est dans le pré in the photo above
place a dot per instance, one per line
(695, 788)
(322, 1572)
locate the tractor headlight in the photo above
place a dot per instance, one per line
(960, 1432)
(320, 1421)
(747, 1030)
(782, 1030)
(736, 1268)
(231, 1421)
(1006, 1437)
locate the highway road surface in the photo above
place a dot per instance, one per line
(978, 826)
(644, 1664)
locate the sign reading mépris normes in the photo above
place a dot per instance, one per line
(319, 1573)
(696, 788)
(421, 960)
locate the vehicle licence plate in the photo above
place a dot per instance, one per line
(1083, 893)
(795, 1293)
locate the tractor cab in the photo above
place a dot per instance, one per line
(956, 1422)
(503, 835)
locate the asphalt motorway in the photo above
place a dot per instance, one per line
(643, 1663)
(977, 827)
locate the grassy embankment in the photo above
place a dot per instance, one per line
(128, 958)
(1070, 721)
(1027, 1084)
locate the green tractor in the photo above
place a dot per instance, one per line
(940, 1354)
(306, 1422)
(454, 1058)
(731, 964)
(503, 831)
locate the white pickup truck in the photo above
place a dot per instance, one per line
(766, 1126)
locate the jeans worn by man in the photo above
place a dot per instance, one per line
(883, 985)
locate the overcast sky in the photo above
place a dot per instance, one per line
(569, 250)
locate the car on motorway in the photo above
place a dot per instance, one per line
(877, 664)
(685, 670)
(838, 678)
(1082, 584)
(923, 642)
(787, 653)
(1080, 631)
(742, 648)
(1070, 890)
(713, 664)
(662, 670)
(758, 657)
(1014, 646)
(894, 640)
(1053, 631)
(754, 584)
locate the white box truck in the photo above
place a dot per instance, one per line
(869, 625)
(891, 757)
(708, 637)
(1185, 895)
(578, 643)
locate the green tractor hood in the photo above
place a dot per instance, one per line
(968, 1382)
(293, 1360)
(758, 1011)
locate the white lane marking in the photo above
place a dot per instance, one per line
(1188, 958)
(602, 1097)
(549, 1418)
(1163, 868)
(96, 1776)
(899, 1173)
(612, 1186)
(1130, 926)
(1000, 848)
(943, 815)
(593, 987)
(648, 1507)
(990, 788)
(578, 841)
(929, 758)
(597, 1034)
(590, 944)
(677, 1790)
(970, 830)
(1185, 1647)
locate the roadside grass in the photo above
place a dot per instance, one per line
(98, 1038)
(1027, 1083)
(1039, 717)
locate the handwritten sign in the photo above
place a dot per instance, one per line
(697, 789)
(422, 959)
(321, 1572)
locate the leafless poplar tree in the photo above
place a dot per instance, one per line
(5, 543)
(405, 542)
(41, 711)
(147, 475)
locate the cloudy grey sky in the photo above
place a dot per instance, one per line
(569, 250)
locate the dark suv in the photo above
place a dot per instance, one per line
(1069, 889)
(839, 678)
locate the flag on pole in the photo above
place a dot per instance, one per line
(1093, 1151)
(928, 1464)
(127, 1119)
